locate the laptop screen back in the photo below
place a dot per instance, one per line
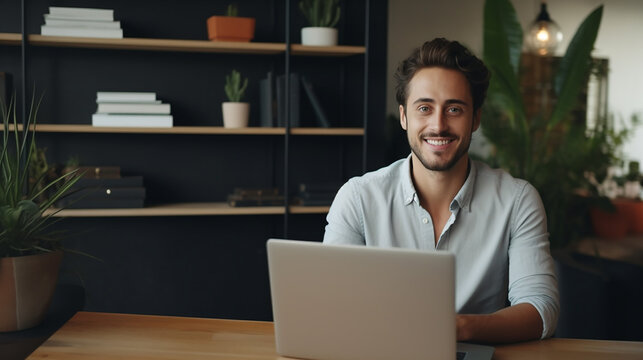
(356, 302)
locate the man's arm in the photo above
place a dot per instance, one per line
(516, 323)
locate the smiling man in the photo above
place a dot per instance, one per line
(439, 199)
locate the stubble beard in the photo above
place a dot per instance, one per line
(438, 165)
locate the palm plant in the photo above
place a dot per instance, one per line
(25, 227)
(550, 150)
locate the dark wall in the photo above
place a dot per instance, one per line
(212, 266)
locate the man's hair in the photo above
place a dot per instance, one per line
(441, 52)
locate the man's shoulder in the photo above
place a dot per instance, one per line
(383, 177)
(488, 177)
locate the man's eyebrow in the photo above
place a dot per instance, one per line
(450, 101)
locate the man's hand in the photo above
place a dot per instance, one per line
(512, 324)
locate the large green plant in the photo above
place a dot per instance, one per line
(550, 150)
(25, 228)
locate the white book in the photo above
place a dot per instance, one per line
(81, 32)
(132, 108)
(81, 13)
(49, 21)
(111, 120)
(120, 96)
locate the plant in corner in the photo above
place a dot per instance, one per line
(235, 112)
(231, 27)
(550, 150)
(30, 249)
(322, 16)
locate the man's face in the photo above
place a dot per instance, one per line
(439, 119)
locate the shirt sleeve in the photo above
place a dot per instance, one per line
(345, 218)
(532, 276)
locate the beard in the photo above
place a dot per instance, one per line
(439, 164)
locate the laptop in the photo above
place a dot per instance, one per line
(344, 302)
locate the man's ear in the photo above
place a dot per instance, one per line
(402, 118)
(476, 120)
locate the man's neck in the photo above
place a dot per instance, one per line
(436, 189)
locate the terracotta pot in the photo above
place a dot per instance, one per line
(231, 28)
(609, 225)
(27, 285)
(632, 211)
(235, 114)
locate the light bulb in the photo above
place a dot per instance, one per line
(544, 36)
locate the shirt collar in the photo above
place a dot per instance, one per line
(462, 198)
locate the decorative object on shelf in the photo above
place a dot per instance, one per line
(322, 16)
(317, 193)
(243, 197)
(231, 27)
(550, 149)
(103, 187)
(131, 109)
(81, 22)
(235, 112)
(30, 251)
(544, 35)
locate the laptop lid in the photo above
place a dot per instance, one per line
(357, 302)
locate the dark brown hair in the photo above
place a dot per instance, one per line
(441, 52)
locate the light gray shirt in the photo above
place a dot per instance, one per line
(497, 231)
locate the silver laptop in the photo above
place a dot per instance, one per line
(356, 302)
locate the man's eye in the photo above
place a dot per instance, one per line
(423, 108)
(454, 110)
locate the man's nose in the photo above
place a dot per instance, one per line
(439, 122)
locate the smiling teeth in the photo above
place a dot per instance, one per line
(438, 142)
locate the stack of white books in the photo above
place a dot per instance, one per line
(81, 22)
(131, 109)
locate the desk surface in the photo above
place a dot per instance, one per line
(108, 336)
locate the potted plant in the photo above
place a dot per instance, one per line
(235, 112)
(551, 150)
(231, 27)
(322, 16)
(30, 250)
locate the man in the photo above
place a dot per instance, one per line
(438, 198)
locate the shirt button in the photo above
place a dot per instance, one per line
(425, 220)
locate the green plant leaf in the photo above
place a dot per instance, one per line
(574, 68)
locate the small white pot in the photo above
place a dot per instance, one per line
(235, 114)
(319, 36)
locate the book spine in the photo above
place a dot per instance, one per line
(113, 96)
(81, 13)
(319, 111)
(107, 193)
(100, 203)
(108, 120)
(81, 32)
(49, 21)
(132, 108)
(125, 181)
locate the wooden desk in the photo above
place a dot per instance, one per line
(118, 336)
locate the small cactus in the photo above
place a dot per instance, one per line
(233, 87)
(232, 10)
(321, 13)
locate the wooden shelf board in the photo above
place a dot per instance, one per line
(188, 209)
(194, 130)
(327, 131)
(341, 50)
(10, 39)
(159, 44)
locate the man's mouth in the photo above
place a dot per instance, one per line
(438, 142)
